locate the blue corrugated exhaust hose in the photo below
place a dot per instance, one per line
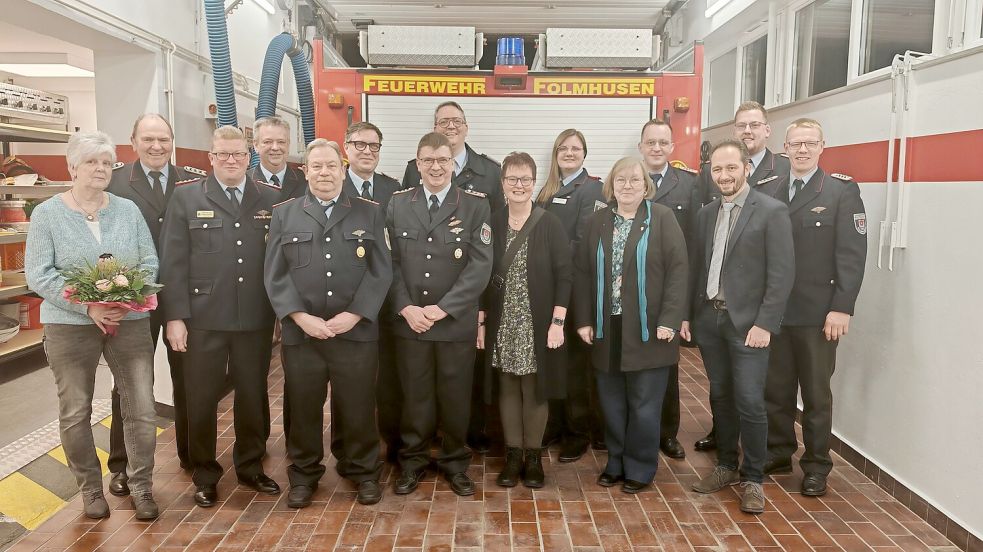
(284, 44)
(218, 46)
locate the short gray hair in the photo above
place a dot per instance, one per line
(322, 143)
(271, 121)
(83, 146)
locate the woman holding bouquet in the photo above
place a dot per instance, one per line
(69, 233)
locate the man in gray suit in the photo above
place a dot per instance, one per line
(746, 272)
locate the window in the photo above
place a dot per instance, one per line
(821, 52)
(723, 74)
(755, 59)
(891, 27)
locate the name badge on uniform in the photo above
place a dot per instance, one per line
(205, 214)
(560, 200)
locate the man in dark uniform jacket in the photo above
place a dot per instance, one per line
(746, 269)
(328, 270)
(676, 189)
(271, 138)
(214, 240)
(829, 227)
(442, 259)
(149, 182)
(751, 127)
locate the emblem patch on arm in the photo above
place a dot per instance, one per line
(860, 223)
(598, 205)
(486, 234)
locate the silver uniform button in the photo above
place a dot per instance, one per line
(267, 226)
(329, 274)
(328, 256)
(240, 261)
(295, 239)
(425, 292)
(236, 225)
(429, 239)
(404, 233)
(832, 281)
(457, 239)
(238, 242)
(330, 293)
(327, 239)
(240, 278)
(160, 219)
(426, 274)
(196, 290)
(204, 226)
(428, 256)
(818, 223)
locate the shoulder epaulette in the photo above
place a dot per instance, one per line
(267, 184)
(490, 159)
(387, 176)
(476, 194)
(843, 177)
(367, 200)
(188, 181)
(785, 155)
(118, 164)
(682, 166)
(194, 170)
(404, 190)
(275, 205)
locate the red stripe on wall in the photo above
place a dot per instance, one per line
(950, 157)
(864, 162)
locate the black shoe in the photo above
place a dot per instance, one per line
(532, 469)
(369, 492)
(186, 465)
(608, 480)
(598, 444)
(573, 448)
(631, 486)
(407, 482)
(551, 437)
(300, 496)
(778, 465)
(461, 484)
(707, 443)
(206, 495)
(260, 483)
(672, 448)
(118, 485)
(512, 470)
(479, 442)
(814, 484)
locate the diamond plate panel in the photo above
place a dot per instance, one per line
(599, 48)
(421, 46)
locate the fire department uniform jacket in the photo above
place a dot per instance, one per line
(772, 166)
(326, 266)
(214, 272)
(480, 174)
(446, 262)
(131, 182)
(294, 182)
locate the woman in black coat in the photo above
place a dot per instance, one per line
(526, 306)
(630, 286)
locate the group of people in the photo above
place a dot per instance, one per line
(427, 302)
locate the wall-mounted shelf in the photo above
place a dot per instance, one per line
(12, 238)
(20, 133)
(24, 342)
(34, 191)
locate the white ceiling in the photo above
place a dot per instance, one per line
(499, 16)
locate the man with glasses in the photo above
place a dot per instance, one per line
(751, 127)
(442, 260)
(829, 229)
(217, 310)
(271, 138)
(474, 172)
(676, 189)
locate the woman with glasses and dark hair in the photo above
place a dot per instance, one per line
(573, 195)
(631, 281)
(526, 305)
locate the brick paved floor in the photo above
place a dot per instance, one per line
(570, 513)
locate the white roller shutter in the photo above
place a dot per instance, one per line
(499, 125)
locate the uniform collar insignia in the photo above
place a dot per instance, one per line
(817, 210)
(457, 230)
(454, 222)
(358, 233)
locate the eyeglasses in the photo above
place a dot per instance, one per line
(753, 125)
(225, 155)
(456, 121)
(429, 161)
(374, 147)
(622, 181)
(571, 149)
(515, 180)
(660, 143)
(811, 145)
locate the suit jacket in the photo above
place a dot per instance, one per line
(575, 202)
(383, 187)
(214, 269)
(662, 302)
(480, 174)
(759, 263)
(772, 166)
(549, 279)
(326, 266)
(294, 183)
(131, 182)
(446, 262)
(829, 228)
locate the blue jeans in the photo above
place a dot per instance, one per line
(73, 353)
(737, 392)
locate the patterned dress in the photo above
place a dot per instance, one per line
(514, 351)
(622, 227)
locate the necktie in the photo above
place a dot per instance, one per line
(366, 194)
(719, 247)
(434, 205)
(327, 209)
(275, 180)
(656, 179)
(234, 196)
(796, 187)
(156, 187)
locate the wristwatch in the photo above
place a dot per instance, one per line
(558, 321)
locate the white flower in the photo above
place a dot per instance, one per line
(104, 285)
(121, 280)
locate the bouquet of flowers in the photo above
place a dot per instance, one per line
(112, 284)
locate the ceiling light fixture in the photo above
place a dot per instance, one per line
(44, 64)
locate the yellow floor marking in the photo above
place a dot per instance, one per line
(26, 501)
(58, 453)
(107, 421)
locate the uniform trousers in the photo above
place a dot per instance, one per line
(479, 410)
(117, 450)
(737, 375)
(632, 404)
(801, 356)
(351, 368)
(245, 355)
(435, 377)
